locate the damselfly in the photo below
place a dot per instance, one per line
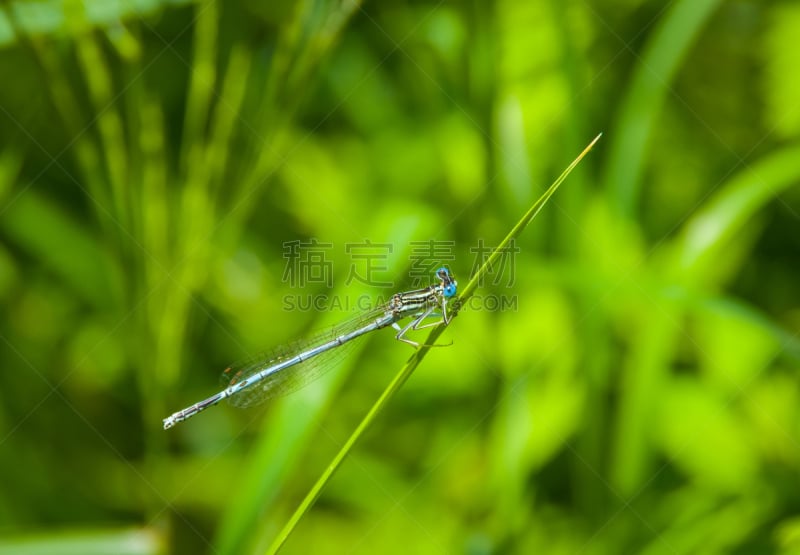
(289, 367)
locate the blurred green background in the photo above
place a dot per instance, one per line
(640, 396)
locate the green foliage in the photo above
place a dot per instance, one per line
(641, 393)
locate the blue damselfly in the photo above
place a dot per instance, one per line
(287, 368)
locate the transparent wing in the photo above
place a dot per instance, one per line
(297, 376)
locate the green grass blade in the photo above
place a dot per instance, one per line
(412, 363)
(201, 91)
(470, 288)
(714, 225)
(651, 82)
(100, 85)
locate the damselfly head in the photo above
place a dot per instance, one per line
(449, 285)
